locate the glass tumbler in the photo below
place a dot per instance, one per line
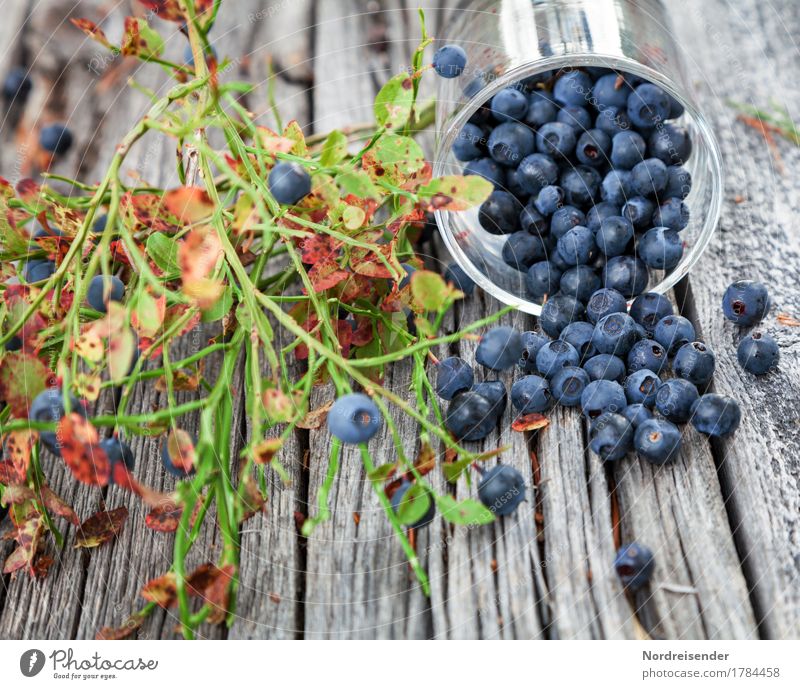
(509, 40)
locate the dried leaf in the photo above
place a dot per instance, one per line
(122, 632)
(28, 535)
(101, 528)
(164, 518)
(18, 446)
(92, 31)
(265, 451)
(180, 450)
(57, 506)
(530, 422)
(316, 417)
(786, 319)
(90, 346)
(161, 590)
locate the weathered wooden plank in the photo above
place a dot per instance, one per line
(760, 465)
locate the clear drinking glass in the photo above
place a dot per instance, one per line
(508, 40)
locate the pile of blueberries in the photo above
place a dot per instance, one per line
(588, 175)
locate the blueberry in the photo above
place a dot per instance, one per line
(36, 271)
(568, 384)
(502, 489)
(55, 138)
(354, 418)
(679, 182)
(695, 362)
(605, 367)
(602, 396)
(672, 332)
(581, 185)
(555, 355)
(532, 221)
(716, 415)
(745, 302)
(510, 142)
(661, 248)
(573, 88)
(626, 274)
(758, 353)
(641, 387)
(634, 565)
(577, 246)
(536, 171)
(647, 355)
(613, 120)
(603, 302)
(611, 91)
(397, 499)
(672, 213)
(99, 225)
(470, 416)
(549, 199)
(513, 185)
(470, 143)
(649, 178)
(531, 394)
(599, 212)
(103, 289)
(576, 117)
(614, 235)
(542, 279)
(639, 212)
(565, 218)
(671, 144)
(522, 249)
(289, 183)
(611, 436)
(675, 398)
(488, 169)
(579, 282)
(637, 414)
(627, 149)
(593, 147)
(541, 109)
(453, 375)
(499, 348)
(406, 279)
(48, 406)
(499, 214)
(558, 312)
(532, 342)
(649, 308)
(509, 105)
(617, 187)
(118, 452)
(172, 468)
(449, 61)
(657, 440)
(17, 85)
(495, 392)
(455, 274)
(615, 333)
(556, 139)
(648, 105)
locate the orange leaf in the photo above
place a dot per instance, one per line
(189, 204)
(92, 31)
(530, 422)
(18, 446)
(101, 527)
(81, 452)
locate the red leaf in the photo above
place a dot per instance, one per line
(164, 518)
(189, 204)
(153, 498)
(101, 527)
(18, 446)
(149, 212)
(92, 31)
(161, 590)
(22, 377)
(169, 10)
(57, 506)
(81, 450)
(326, 274)
(318, 247)
(28, 535)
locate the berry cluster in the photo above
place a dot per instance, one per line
(589, 179)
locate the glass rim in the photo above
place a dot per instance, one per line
(444, 143)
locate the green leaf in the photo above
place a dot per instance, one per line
(430, 290)
(163, 249)
(414, 505)
(358, 183)
(381, 473)
(394, 102)
(12, 241)
(221, 307)
(456, 193)
(468, 512)
(334, 149)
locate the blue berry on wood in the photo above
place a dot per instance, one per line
(354, 418)
(758, 353)
(502, 489)
(716, 415)
(634, 565)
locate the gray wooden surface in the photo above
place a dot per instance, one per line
(723, 520)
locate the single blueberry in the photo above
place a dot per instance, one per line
(657, 440)
(354, 418)
(675, 398)
(605, 367)
(499, 348)
(758, 353)
(531, 394)
(449, 61)
(611, 436)
(716, 415)
(289, 183)
(453, 375)
(745, 302)
(695, 362)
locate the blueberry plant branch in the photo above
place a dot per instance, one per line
(330, 279)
